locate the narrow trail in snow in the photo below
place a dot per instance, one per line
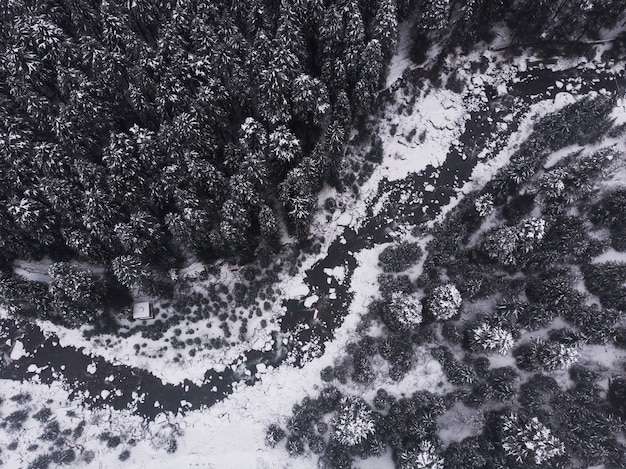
(87, 377)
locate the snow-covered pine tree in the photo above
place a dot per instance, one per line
(130, 271)
(484, 205)
(444, 302)
(501, 245)
(529, 441)
(530, 232)
(423, 457)
(492, 338)
(386, 27)
(354, 421)
(405, 311)
(436, 15)
(284, 147)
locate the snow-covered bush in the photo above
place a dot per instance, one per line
(399, 257)
(444, 302)
(529, 440)
(404, 311)
(484, 205)
(273, 435)
(423, 457)
(354, 421)
(457, 373)
(492, 338)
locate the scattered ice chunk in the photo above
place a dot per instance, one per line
(91, 368)
(104, 394)
(429, 187)
(261, 368)
(559, 84)
(18, 350)
(310, 301)
(344, 219)
(502, 89)
(561, 99)
(157, 404)
(33, 368)
(339, 273)
(214, 389)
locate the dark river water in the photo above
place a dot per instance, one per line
(149, 396)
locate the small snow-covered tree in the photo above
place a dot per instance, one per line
(284, 146)
(484, 205)
(273, 435)
(405, 310)
(423, 457)
(354, 421)
(501, 244)
(529, 232)
(444, 302)
(554, 356)
(529, 440)
(129, 270)
(436, 14)
(386, 27)
(550, 185)
(268, 224)
(547, 356)
(70, 283)
(492, 338)
(309, 99)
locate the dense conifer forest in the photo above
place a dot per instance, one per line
(137, 133)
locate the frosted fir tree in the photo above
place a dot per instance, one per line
(492, 338)
(553, 356)
(547, 356)
(501, 245)
(74, 284)
(268, 223)
(309, 98)
(436, 15)
(386, 27)
(529, 440)
(284, 147)
(551, 185)
(484, 205)
(129, 270)
(405, 310)
(424, 457)
(354, 421)
(444, 302)
(530, 232)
